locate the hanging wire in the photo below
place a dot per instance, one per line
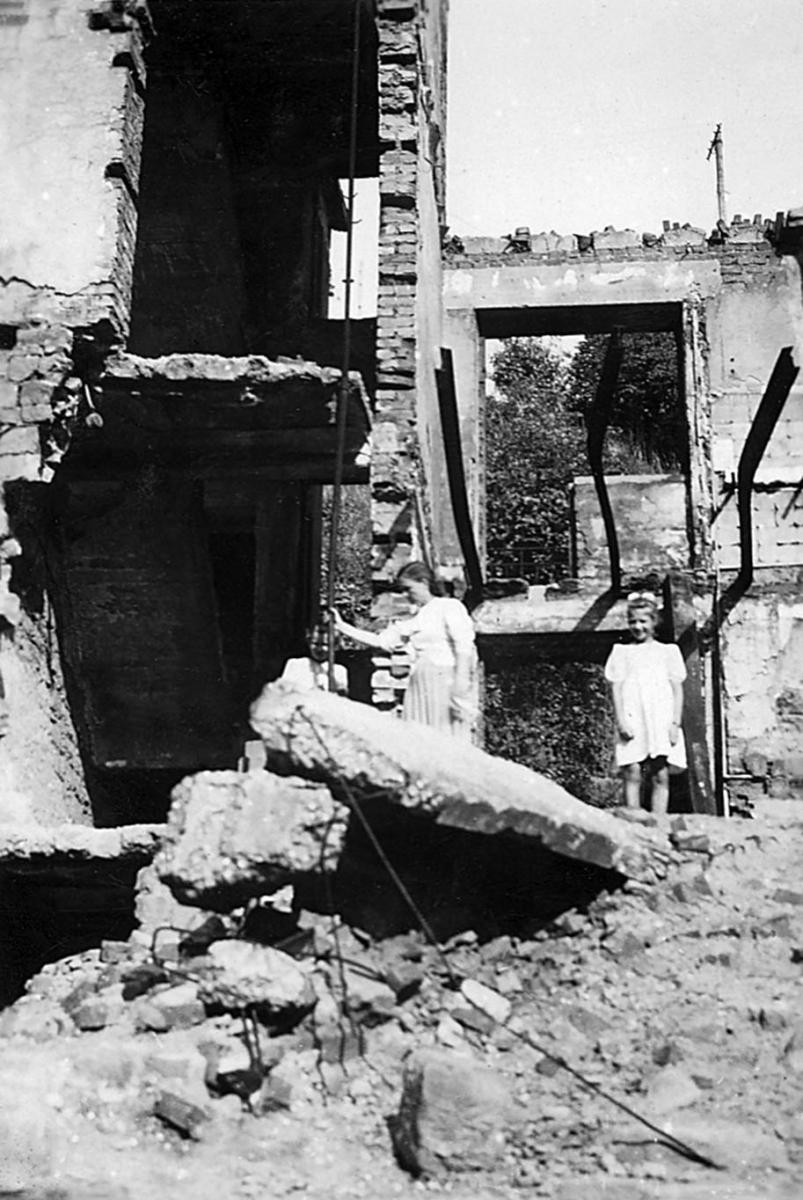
(343, 395)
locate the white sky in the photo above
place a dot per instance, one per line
(576, 114)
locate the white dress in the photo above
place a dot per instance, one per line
(439, 631)
(308, 675)
(646, 671)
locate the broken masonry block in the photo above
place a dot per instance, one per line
(370, 1001)
(687, 840)
(176, 1007)
(615, 239)
(186, 1118)
(669, 1089)
(486, 1000)
(454, 1115)
(232, 836)
(238, 975)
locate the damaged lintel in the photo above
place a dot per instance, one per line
(251, 412)
(52, 852)
(547, 620)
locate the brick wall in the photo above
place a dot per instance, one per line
(410, 66)
(411, 91)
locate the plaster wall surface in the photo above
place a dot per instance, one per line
(64, 104)
(578, 283)
(650, 516)
(41, 781)
(763, 653)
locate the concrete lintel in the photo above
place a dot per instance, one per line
(51, 851)
(547, 610)
(171, 371)
(211, 409)
(580, 285)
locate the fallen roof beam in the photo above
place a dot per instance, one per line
(326, 738)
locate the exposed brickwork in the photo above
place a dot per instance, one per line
(394, 466)
(740, 261)
(410, 60)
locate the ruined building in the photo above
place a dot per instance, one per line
(169, 377)
(169, 382)
(169, 373)
(724, 537)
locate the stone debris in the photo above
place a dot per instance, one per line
(176, 1007)
(231, 836)
(326, 737)
(454, 1115)
(238, 975)
(181, 1114)
(486, 1000)
(671, 1088)
(241, 1060)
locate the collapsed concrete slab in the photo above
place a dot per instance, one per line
(232, 836)
(330, 739)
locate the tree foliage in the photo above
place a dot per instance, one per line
(648, 423)
(536, 440)
(535, 443)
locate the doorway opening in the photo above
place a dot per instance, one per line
(551, 709)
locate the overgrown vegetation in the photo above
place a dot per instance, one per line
(556, 719)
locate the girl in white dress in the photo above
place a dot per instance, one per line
(441, 638)
(647, 681)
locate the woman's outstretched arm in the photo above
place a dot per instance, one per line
(363, 636)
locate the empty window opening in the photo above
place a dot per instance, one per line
(536, 443)
(365, 257)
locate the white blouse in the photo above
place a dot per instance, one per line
(438, 632)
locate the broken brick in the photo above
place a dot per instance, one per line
(187, 1118)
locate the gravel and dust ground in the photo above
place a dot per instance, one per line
(682, 1000)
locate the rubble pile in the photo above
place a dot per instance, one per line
(245, 1045)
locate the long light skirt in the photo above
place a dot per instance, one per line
(428, 700)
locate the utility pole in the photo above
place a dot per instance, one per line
(716, 149)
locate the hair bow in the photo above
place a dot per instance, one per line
(644, 598)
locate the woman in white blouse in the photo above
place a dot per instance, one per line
(441, 638)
